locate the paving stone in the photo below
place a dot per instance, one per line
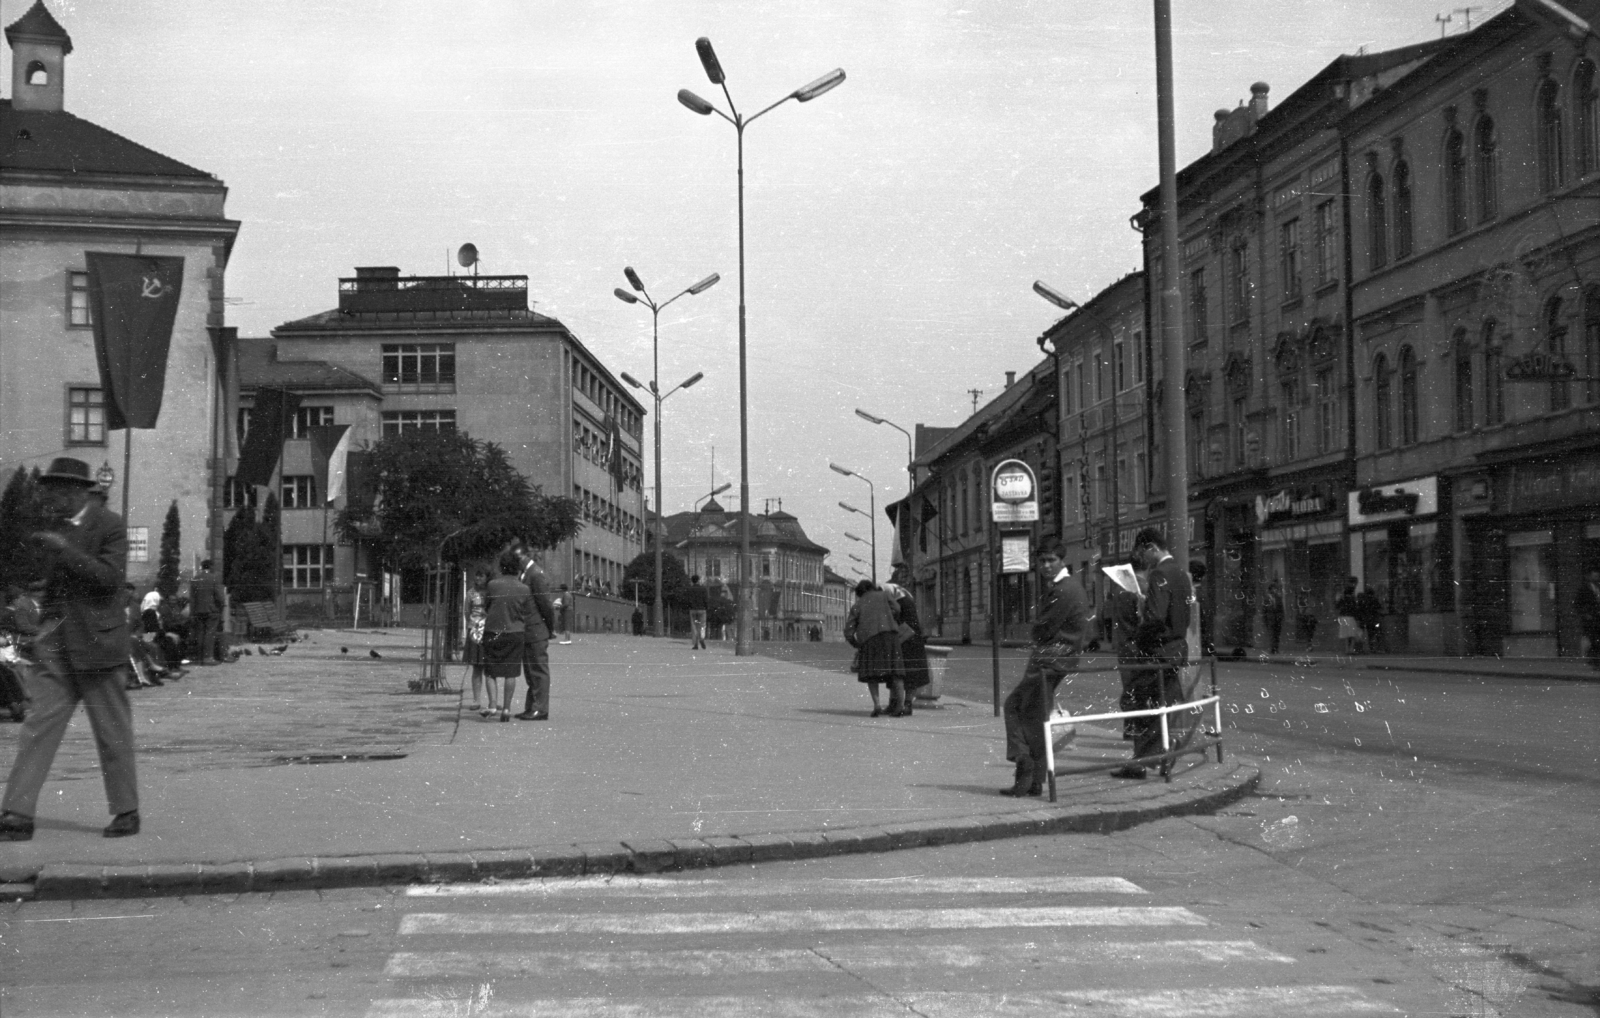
(765, 847)
(604, 857)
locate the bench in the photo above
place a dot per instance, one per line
(263, 621)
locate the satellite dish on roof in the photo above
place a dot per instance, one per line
(467, 256)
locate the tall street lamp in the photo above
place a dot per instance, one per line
(806, 93)
(655, 385)
(872, 505)
(858, 540)
(911, 484)
(713, 493)
(660, 397)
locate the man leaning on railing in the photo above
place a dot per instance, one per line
(1162, 635)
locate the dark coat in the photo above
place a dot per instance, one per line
(84, 593)
(509, 606)
(205, 595)
(1164, 628)
(543, 621)
(873, 613)
(1062, 616)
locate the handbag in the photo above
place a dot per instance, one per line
(906, 632)
(855, 663)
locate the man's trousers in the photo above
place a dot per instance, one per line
(536, 669)
(1028, 706)
(56, 693)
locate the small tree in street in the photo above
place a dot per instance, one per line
(247, 553)
(674, 581)
(168, 564)
(20, 515)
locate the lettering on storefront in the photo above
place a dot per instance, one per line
(1384, 503)
(1288, 503)
(1373, 501)
(1550, 485)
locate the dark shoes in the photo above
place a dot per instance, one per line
(1026, 782)
(533, 715)
(15, 827)
(123, 825)
(1136, 773)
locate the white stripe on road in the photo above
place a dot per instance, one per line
(1242, 1002)
(667, 888)
(481, 964)
(816, 921)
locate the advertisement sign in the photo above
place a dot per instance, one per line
(1014, 553)
(1383, 503)
(1015, 493)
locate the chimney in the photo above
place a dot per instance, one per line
(1011, 379)
(1258, 100)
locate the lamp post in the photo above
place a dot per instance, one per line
(861, 540)
(655, 384)
(1174, 353)
(713, 493)
(806, 93)
(872, 506)
(847, 507)
(911, 484)
(660, 397)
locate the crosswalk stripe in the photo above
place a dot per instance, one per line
(1241, 1002)
(668, 888)
(475, 964)
(818, 920)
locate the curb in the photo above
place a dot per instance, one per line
(59, 881)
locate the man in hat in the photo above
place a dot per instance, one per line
(82, 649)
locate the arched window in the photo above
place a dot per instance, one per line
(1494, 377)
(1377, 224)
(1408, 396)
(1585, 126)
(1488, 177)
(1591, 342)
(1381, 399)
(1462, 352)
(1455, 182)
(1555, 343)
(38, 73)
(1552, 146)
(1402, 210)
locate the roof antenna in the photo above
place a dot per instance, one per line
(974, 393)
(1444, 23)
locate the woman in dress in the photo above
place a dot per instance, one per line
(476, 610)
(873, 628)
(913, 650)
(508, 606)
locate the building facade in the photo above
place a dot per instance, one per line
(68, 187)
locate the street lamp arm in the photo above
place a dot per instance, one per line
(752, 118)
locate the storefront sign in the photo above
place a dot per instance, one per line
(1546, 485)
(1015, 493)
(1539, 367)
(1314, 533)
(1394, 501)
(1288, 503)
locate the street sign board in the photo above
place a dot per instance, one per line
(1015, 493)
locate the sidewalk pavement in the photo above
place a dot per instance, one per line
(317, 768)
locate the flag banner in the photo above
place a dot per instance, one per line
(225, 350)
(133, 302)
(360, 486)
(614, 451)
(263, 444)
(329, 442)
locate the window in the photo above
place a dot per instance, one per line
(1586, 127)
(1237, 409)
(1377, 224)
(1138, 358)
(1455, 183)
(1099, 375)
(1140, 469)
(299, 492)
(78, 314)
(1591, 342)
(238, 495)
(1291, 419)
(1402, 210)
(431, 364)
(1327, 244)
(1408, 396)
(307, 566)
(1552, 149)
(1239, 280)
(1327, 410)
(397, 421)
(1197, 445)
(1380, 403)
(308, 417)
(1487, 172)
(38, 73)
(1097, 493)
(1120, 359)
(965, 521)
(1555, 339)
(1463, 356)
(86, 415)
(1068, 390)
(1289, 258)
(1494, 379)
(1197, 305)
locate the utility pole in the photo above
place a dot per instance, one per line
(974, 393)
(1444, 23)
(1466, 14)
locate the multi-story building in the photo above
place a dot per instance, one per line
(786, 566)
(836, 599)
(1475, 192)
(467, 353)
(1265, 273)
(69, 187)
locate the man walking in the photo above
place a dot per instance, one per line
(1272, 613)
(699, 600)
(1060, 628)
(536, 639)
(1163, 636)
(82, 648)
(205, 608)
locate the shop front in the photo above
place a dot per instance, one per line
(1524, 560)
(1399, 551)
(1300, 544)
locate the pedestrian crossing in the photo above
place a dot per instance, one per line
(951, 947)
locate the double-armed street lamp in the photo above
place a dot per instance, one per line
(910, 543)
(806, 93)
(871, 514)
(655, 387)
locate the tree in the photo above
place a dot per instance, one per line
(20, 515)
(247, 553)
(446, 494)
(674, 580)
(169, 562)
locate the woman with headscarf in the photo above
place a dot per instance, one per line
(509, 605)
(873, 628)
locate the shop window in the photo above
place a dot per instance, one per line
(1487, 171)
(1375, 565)
(1552, 146)
(1455, 183)
(1415, 579)
(1381, 398)
(1377, 224)
(1409, 396)
(1532, 562)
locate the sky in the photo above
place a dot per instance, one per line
(894, 226)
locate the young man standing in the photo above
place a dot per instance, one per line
(1163, 636)
(1060, 628)
(699, 604)
(205, 607)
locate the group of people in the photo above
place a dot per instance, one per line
(509, 622)
(1149, 628)
(884, 628)
(1360, 615)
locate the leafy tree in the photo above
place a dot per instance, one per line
(247, 553)
(722, 609)
(446, 493)
(169, 562)
(20, 514)
(674, 581)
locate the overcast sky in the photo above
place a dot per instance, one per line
(894, 225)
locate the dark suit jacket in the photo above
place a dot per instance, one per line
(83, 590)
(1063, 615)
(543, 621)
(205, 595)
(508, 606)
(1165, 627)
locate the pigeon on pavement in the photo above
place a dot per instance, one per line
(373, 653)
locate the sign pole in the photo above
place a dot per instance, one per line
(1013, 500)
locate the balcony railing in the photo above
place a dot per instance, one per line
(365, 294)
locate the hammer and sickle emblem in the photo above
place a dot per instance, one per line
(154, 288)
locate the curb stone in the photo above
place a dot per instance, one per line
(58, 881)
